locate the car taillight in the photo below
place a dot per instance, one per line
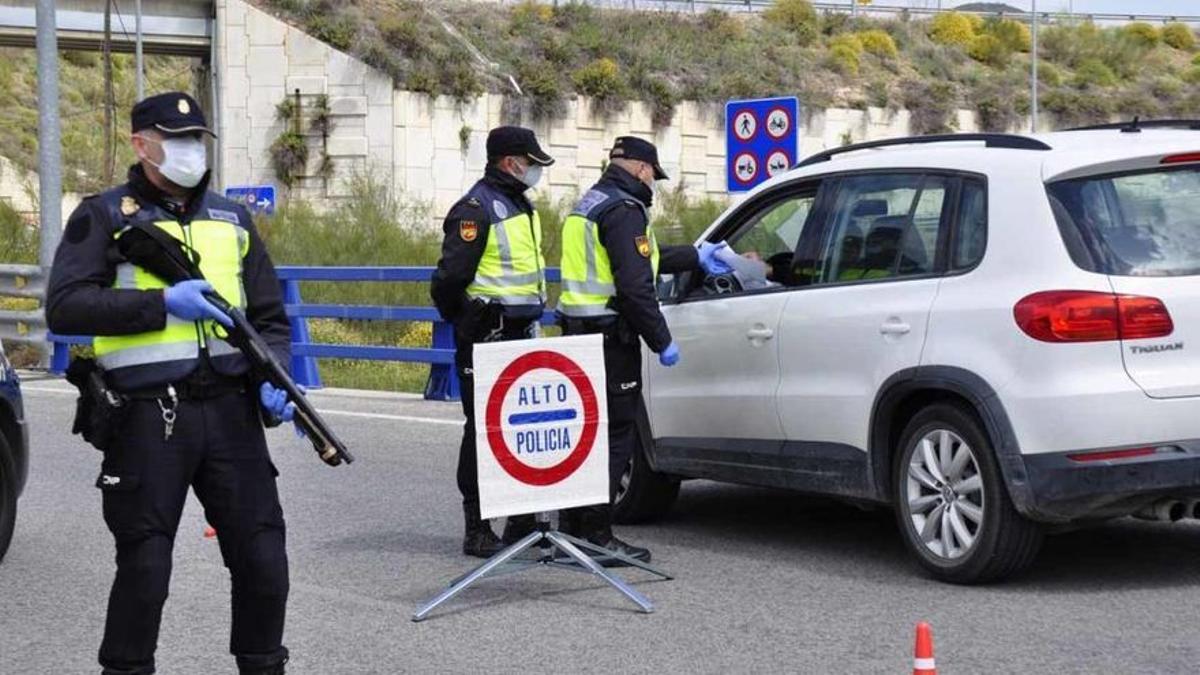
(1181, 158)
(1090, 316)
(1105, 455)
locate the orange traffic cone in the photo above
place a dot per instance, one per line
(923, 652)
(209, 532)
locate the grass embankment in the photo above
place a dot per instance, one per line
(930, 67)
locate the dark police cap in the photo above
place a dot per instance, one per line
(632, 147)
(516, 142)
(173, 113)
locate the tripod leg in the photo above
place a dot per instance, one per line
(615, 581)
(479, 572)
(602, 553)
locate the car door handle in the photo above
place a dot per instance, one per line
(759, 333)
(895, 327)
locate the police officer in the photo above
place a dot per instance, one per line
(610, 263)
(490, 283)
(192, 415)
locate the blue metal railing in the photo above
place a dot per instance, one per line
(443, 380)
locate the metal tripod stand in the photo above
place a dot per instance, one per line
(548, 542)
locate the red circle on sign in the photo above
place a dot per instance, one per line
(495, 435)
(771, 131)
(737, 174)
(743, 119)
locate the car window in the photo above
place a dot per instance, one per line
(971, 235)
(884, 226)
(775, 230)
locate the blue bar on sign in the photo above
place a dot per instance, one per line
(518, 419)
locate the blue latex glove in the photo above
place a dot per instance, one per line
(708, 259)
(186, 300)
(276, 403)
(670, 355)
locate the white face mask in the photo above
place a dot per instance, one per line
(532, 175)
(185, 160)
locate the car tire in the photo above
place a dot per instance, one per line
(959, 499)
(8, 497)
(644, 494)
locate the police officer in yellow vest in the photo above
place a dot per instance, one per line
(192, 416)
(610, 263)
(490, 283)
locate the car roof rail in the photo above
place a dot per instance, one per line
(1137, 124)
(997, 140)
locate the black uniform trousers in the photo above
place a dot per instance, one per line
(623, 366)
(218, 448)
(464, 343)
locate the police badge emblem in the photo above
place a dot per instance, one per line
(129, 206)
(468, 230)
(643, 245)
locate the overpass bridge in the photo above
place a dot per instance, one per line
(174, 27)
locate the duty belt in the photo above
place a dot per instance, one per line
(191, 389)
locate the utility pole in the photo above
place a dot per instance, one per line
(49, 137)
(138, 64)
(1034, 79)
(109, 161)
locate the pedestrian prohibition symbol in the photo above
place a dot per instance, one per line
(762, 139)
(541, 425)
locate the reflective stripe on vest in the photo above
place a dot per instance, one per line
(512, 269)
(587, 278)
(221, 246)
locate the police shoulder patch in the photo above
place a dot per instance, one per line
(227, 216)
(643, 245)
(468, 230)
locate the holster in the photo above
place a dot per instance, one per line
(99, 410)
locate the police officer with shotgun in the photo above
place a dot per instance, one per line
(490, 283)
(610, 264)
(171, 403)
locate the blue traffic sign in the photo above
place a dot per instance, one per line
(257, 198)
(762, 139)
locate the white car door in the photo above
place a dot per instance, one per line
(862, 319)
(716, 409)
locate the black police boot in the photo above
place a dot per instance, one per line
(597, 528)
(516, 529)
(479, 540)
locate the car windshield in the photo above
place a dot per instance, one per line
(1134, 224)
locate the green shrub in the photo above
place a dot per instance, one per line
(1166, 87)
(844, 59)
(879, 93)
(931, 106)
(336, 30)
(722, 25)
(289, 157)
(952, 28)
(1142, 34)
(1094, 73)
(1192, 75)
(1074, 108)
(850, 41)
(541, 85)
(400, 32)
(879, 43)
(990, 50)
(1011, 33)
(18, 241)
(796, 16)
(80, 58)
(600, 79)
(1196, 60)
(1049, 74)
(1179, 36)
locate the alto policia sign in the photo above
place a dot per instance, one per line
(542, 425)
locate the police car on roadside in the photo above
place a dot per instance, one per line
(14, 450)
(995, 335)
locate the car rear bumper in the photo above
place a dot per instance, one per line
(1065, 489)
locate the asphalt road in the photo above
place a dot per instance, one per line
(765, 581)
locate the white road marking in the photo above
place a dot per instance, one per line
(323, 411)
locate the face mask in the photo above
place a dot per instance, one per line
(532, 175)
(185, 160)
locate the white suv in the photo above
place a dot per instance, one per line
(989, 332)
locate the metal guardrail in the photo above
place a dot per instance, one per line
(700, 6)
(443, 380)
(26, 282)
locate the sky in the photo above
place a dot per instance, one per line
(1182, 7)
